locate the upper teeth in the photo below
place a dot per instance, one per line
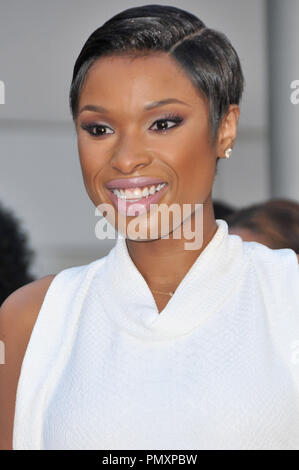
(137, 193)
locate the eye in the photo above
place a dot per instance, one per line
(169, 118)
(99, 130)
(96, 129)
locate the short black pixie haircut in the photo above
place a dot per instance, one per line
(206, 55)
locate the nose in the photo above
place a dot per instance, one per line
(130, 155)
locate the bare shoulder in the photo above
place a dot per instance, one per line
(21, 308)
(18, 315)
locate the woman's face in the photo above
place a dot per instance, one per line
(133, 138)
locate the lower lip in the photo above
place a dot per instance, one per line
(123, 205)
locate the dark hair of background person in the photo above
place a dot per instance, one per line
(222, 210)
(277, 219)
(15, 255)
(206, 55)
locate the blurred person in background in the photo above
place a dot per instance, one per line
(15, 254)
(274, 223)
(222, 210)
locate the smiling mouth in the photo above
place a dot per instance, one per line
(137, 193)
(142, 199)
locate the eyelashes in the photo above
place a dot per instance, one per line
(170, 118)
(175, 118)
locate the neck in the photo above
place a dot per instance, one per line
(163, 263)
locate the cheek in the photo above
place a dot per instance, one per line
(91, 157)
(91, 166)
(194, 162)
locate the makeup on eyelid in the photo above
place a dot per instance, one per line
(175, 118)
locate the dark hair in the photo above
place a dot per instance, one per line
(277, 219)
(206, 55)
(222, 210)
(15, 255)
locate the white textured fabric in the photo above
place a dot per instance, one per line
(218, 368)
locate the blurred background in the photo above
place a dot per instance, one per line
(40, 176)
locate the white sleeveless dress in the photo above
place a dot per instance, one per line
(218, 368)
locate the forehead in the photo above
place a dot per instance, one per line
(135, 80)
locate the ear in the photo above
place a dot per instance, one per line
(227, 131)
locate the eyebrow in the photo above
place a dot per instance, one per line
(149, 106)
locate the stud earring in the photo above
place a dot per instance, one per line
(228, 152)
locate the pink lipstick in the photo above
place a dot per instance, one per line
(129, 196)
(138, 181)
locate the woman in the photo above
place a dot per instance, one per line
(156, 346)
